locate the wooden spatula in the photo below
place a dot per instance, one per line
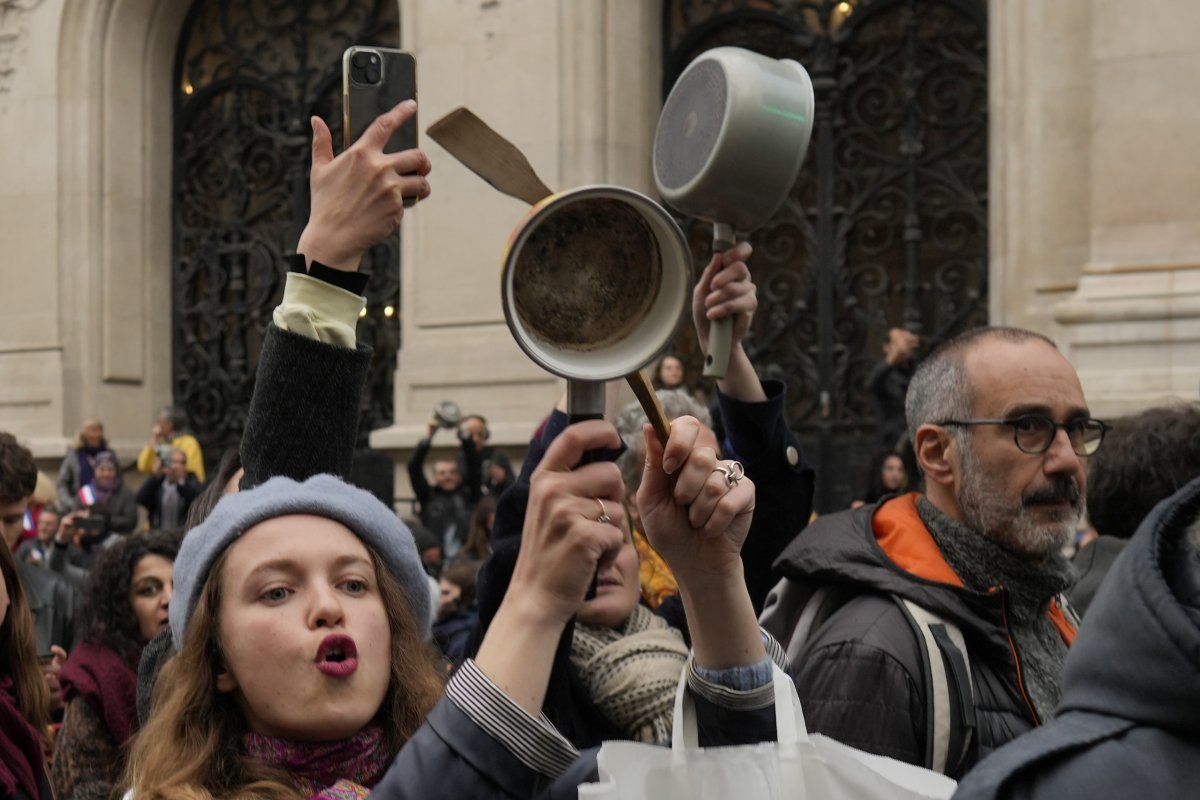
(488, 154)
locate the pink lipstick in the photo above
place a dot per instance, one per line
(337, 656)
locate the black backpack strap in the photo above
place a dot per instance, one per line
(949, 700)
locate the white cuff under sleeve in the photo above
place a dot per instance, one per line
(316, 309)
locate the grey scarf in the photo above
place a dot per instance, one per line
(1030, 586)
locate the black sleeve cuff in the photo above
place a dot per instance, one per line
(355, 282)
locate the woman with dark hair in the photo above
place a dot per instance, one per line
(886, 475)
(479, 533)
(128, 594)
(456, 614)
(23, 696)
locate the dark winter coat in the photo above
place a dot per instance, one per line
(860, 677)
(149, 496)
(1127, 725)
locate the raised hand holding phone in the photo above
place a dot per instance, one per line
(357, 197)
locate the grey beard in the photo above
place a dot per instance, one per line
(1015, 529)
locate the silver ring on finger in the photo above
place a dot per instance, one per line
(604, 518)
(733, 472)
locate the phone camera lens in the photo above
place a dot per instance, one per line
(360, 59)
(372, 74)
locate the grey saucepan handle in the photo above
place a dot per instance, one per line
(720, 331)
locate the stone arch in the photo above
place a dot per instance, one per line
(114, 123)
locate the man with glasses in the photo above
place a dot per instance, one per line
(1002, 434)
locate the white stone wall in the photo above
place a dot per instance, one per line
(1095, 231)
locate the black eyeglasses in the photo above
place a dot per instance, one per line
(1034, 433)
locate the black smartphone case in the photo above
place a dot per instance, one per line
(363, 102)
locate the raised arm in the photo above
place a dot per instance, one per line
(756, 429)
(303, 416)
(696, 513)
(562, 545)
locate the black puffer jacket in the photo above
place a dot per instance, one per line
(1127, 725)
(860, 678)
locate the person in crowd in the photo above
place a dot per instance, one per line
(445, 506)
(1147, 458)
(18, 478)
(756, 430)
(429, 546)
(78, 465)
(1000, 425)
(37, 550)
(167, 494)
(457, 614)
(49, 598)
(24, 714)
(45, 495)
(108, 500)
(886, 475)
(495, 469)
(1127, 723)
(888, 382)
(654, 576)
(614, 635)
(479, 533)
(128, 594)
(168, 432)
(669, 374)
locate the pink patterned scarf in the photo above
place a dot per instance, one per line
(326, 770)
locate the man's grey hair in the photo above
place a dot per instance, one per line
(176, 415)
(939, 389)
(676, 403)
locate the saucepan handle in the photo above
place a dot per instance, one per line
(720, 331)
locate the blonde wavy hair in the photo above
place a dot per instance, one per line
(190, 747)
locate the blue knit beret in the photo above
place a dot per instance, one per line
(320, 496)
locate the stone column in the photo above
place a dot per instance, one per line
(1133, 324)
(1095, 228)
(575, 87)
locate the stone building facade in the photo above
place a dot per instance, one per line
(1094, 228)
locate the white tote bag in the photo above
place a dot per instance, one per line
(800, 766)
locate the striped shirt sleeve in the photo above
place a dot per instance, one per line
(534, 741)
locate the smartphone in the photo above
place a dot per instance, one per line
(374, 81)
(90, 523)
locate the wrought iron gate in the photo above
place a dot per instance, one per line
(887, 224)
(249, 75)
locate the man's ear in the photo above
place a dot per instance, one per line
(936, 449)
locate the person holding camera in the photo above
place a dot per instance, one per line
(109, 510)
(168, 493)
(445, 506)
(169, 433)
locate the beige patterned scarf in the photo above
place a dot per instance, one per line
(631, 672)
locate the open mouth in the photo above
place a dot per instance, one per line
(337, 656)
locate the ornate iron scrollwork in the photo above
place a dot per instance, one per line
(249, 75)
(887, 224)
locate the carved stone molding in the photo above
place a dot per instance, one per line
(12, 32)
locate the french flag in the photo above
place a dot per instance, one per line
(87, 496)
(27, 523)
